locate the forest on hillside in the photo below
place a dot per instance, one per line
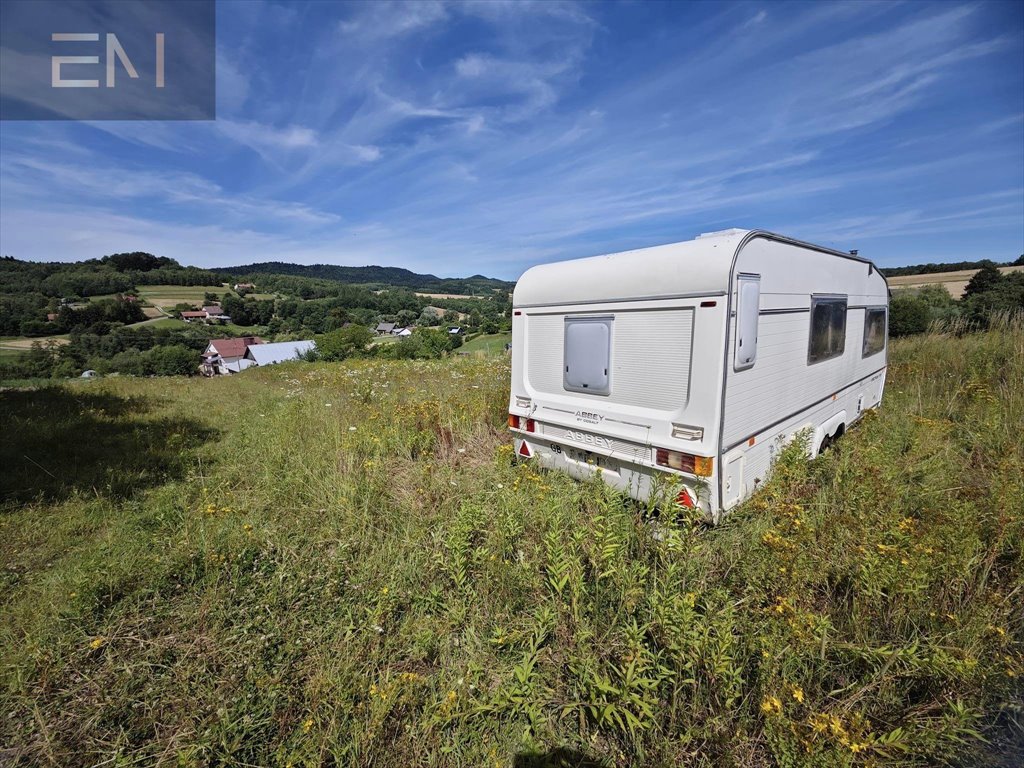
(375, 277)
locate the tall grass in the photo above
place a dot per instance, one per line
(350, 569)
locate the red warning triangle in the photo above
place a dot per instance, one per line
(524, 449)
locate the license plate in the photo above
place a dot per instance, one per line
(585, 457)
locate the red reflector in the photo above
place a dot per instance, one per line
(531, 425)
(513, 421)
(517, 313)
(685, 499)
(524, 449)
(709, 303)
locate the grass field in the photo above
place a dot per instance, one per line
(339, 564)
(489, 344)
(166, 296)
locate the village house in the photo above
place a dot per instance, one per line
(244, 287)
(211, 314)
(383, 329)
(403, 332)
(222, 356)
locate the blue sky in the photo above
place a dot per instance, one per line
(485, 138)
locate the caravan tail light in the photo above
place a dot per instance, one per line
(519, 422)
(701, 466)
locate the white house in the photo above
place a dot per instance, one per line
(219, 353)
(694, 362)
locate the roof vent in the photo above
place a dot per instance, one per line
(722, 233)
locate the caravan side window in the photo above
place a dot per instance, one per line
(747, 308)
(874, 331)
(828, 328)
(588, 344)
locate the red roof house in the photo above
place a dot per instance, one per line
(220, 352)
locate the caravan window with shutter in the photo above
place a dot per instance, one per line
(874, 331)
(748, 307)
(588, 343)
(828, 328)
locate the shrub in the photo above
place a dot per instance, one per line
(344, 343)
(908, 314)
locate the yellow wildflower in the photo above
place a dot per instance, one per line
(306, 726)
(99, 642)
(771, 706)
(798, 693)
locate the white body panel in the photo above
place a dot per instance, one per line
(678, 376)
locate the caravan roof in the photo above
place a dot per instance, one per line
(692, 268)
(698, 267)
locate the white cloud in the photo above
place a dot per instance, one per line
(29, 178)
(261, 137)
(382, 20)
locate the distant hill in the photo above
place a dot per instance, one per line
(376, 277)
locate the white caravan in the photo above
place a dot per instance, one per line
(694, 362)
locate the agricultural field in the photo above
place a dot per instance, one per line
(954, 282)
(340, 564)
(25, 342)
(167, 296)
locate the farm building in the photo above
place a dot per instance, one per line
(281, 352)
(383, 329)
(238, 365)
(211, 314)
(221, 353)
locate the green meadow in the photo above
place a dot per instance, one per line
(341, 564)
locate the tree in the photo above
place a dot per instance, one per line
(1006, 295)
(211, 298)
(344, 343)
(984, 279)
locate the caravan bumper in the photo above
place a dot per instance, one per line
(636, 480)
